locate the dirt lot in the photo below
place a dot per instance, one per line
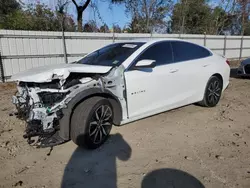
(190, 147)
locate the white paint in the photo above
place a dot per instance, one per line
(145, 62)
(154, 90)
(62, 71)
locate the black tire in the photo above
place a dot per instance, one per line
(213, 92)
(86, 129)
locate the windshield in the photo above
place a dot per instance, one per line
(111, 55)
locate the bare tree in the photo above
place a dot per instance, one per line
(146, 14)
(222, 15)
(245, 11)
(80, 9)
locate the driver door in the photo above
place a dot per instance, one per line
(152, 89)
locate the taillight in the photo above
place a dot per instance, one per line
(228, 62)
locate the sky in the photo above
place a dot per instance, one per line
(114, 14)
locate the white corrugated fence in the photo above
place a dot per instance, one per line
(22, 50)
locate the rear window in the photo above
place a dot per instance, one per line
(184, 51)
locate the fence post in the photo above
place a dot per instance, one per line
(205, 39)
(241, 46)
(225, 45)
(64, 43)
(113, 35)
(64, 49)
(1, 69)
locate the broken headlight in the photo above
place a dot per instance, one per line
(49, 99)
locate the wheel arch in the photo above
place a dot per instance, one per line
(218, 76)
(65, 122)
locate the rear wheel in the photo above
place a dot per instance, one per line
(213, 92)
(91, 122)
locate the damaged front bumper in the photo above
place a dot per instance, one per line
(42, 121)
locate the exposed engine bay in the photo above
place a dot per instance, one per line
(40, 104)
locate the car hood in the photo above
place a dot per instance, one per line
(59, 71)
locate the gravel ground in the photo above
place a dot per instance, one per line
(190, 147)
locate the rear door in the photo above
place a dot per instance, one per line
(193, 62)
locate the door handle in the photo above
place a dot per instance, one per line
(174, 70)
(206, 65)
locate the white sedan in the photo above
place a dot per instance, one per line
(114, 85)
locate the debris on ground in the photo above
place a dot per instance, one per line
(3, 131)
(23, 169)
(11, 114)
(236, 134)
(19, 183)
(51, 149)
(219, 157)
(188, 158)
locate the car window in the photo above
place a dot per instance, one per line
(184, 51)
(160, 52)
(111, 55)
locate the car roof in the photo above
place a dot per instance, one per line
(152, 40)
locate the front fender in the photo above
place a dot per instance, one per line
(64, 131)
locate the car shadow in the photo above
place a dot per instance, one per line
(96, 168)
(170, 178)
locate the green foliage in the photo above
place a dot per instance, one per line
(193, 15)
(104, 29)
(187, 16)
(90, 26)
(36, 17)
(8, 6)
(146, 14)
(117, 29)
(197, 17)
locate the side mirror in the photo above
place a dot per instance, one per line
(145, 63)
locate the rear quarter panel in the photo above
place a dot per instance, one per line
(222, 68)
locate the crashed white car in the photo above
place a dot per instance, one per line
(114, 85)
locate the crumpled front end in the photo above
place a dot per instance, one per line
(39, 106)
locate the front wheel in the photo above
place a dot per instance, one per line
(213, 92)
(91, 122)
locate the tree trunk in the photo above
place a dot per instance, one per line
(243, 24)
(79, 21)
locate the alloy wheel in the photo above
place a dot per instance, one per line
(214, 92)
(100, 124)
